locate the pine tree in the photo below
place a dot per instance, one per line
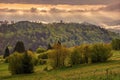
(28, 65)
(19, 47)
(49, 47)
(7, 52)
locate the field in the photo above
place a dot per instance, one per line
(109, 70)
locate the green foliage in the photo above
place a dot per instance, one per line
(115, 44)
(81, 54)
(21, 63)
(15, 63)
(40, 50)
(2, 60)
(19, 47)
(34, 35)
(43, 55)
(101, 52)
(56, 57)
(85, 51)
(42, 61)
(75, 57)
(27, 63)
(101, 71)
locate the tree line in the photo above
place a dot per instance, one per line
(57, 56)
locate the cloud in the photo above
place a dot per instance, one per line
(56, 10)
(8, 10)
(33, 10)
(72, 2)
(112, 7)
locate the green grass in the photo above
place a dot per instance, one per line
(109, 70)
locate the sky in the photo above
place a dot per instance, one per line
(105, 13)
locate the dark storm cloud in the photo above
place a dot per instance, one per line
(76, 2)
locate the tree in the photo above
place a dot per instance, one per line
(22, 63)
(19, 47)
(15, 63)
(75, 57)
(58, 55)
(115, 44)
(49, 47)
(101, 52)
(40, 50)
(27, 62)
(7, 53)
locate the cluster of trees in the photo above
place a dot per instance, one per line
(61, 56)
(116, 44)
(58, 55)
(20, 63)
(21, 60)
(37, 34)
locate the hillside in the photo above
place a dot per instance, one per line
(35, 35)
(96, 71)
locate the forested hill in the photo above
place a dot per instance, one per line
(35, 35)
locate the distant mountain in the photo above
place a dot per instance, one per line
(112, 23)
(115, 30)
(35, 35)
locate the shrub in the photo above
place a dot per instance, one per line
(42, 61)
(43, 56)
(115, 44)
(22, 63)
(15, 63)
(101, 52)
(75, 57)
(85, 52)
(56, 57)
(81, 54)
(28, 63)
(67, 62)
(40, 50)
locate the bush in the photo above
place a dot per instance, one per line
(75, 57)
(101, 52)
(21, 63)
(115, 44)
(81, 54)
(43, 56)
(56, 57)
(40, 50)
(15, 63)
(42, 61)
(85, 52)
(28, 63)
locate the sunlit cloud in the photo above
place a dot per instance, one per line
(97, 14)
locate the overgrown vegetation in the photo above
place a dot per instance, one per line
(116, 44)
(21, 63)
(59, 56)
(36, 35)
(109, 70)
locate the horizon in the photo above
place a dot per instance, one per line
(100, 12)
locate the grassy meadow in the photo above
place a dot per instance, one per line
(109, 70)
